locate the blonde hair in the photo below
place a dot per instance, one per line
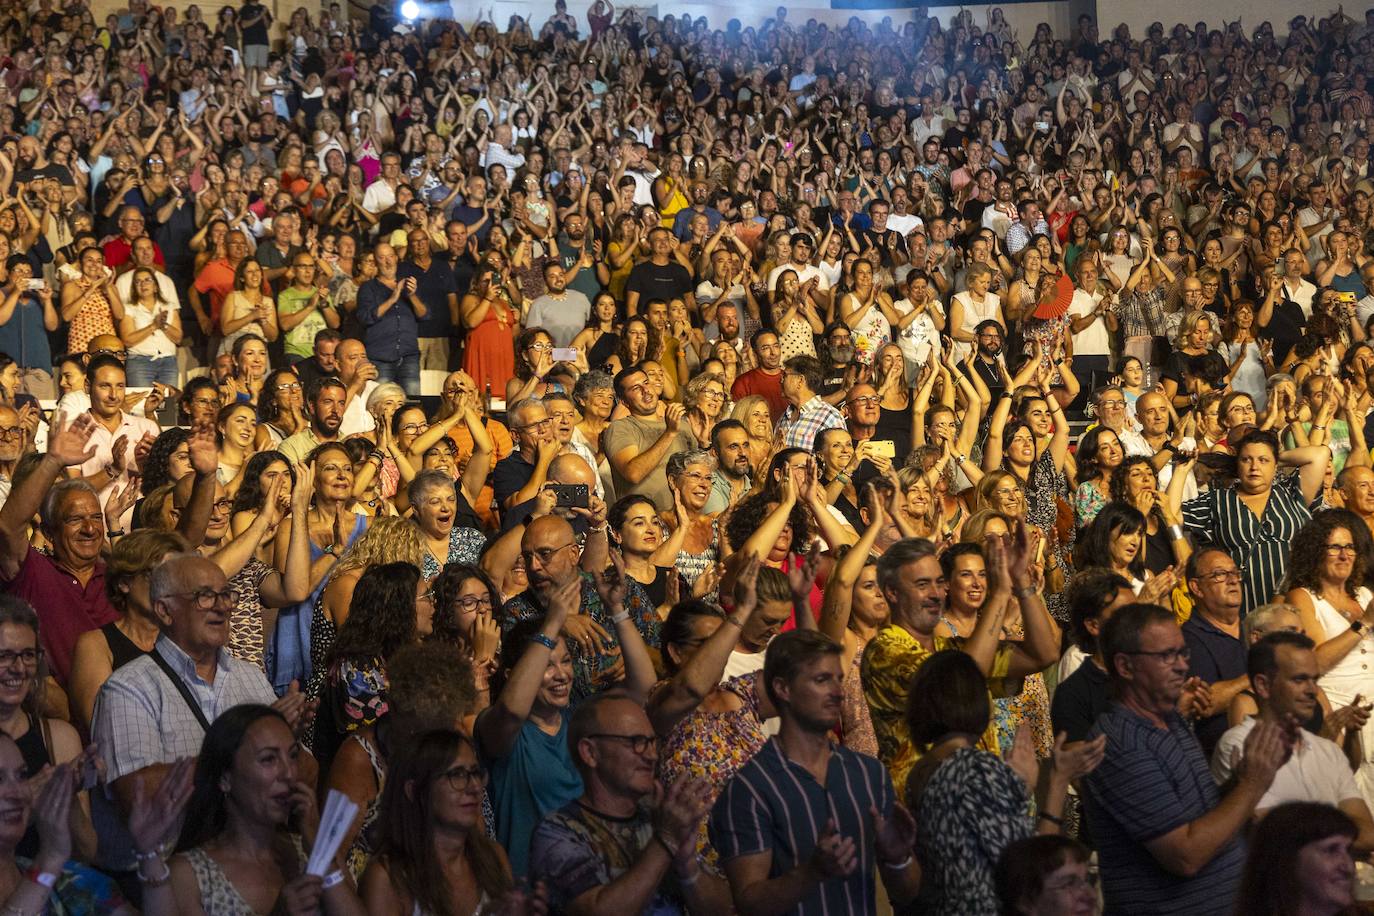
(389, 539)
(982, 492)
(1189, 324)
(977, 523)
(744, 405)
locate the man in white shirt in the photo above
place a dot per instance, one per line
(360, 378)
(1295, 287)
(899, 219)
(1283, 677)
(1092, 323)
(116, 436)
(381, 194)
(497, 151)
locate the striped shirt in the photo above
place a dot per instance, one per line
(1152, 781)
(773, 804)
(1259, 545)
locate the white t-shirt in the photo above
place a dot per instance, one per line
(156, 344)
(356, 419)
(904, 223)
(1316, 772)
(1092, 340)
(919, 340)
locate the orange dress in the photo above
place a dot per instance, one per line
(490, 354)
(93, 320)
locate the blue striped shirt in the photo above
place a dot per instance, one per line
(1259, 545)
(777, 805)
(1152, 781)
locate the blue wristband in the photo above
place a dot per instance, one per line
(544, 641)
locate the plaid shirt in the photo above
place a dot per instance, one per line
(1142, 314)
(800, 428)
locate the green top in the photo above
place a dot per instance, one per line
(300, 340)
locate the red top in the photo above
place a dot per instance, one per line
(118, 251)
(769, 387)
(65, 607)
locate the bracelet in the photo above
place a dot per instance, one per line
(899, 866)
(333, 879)
(1052, 818)
(1176, 532)
(1026, 592)
(148, 856)
(41, 878)
(621, 617)
(544, 641)
(115, 532)
(151, 881)
(597, 528)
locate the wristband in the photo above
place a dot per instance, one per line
(156, 853)
(116, 532)
(1052, 818)
(1357, 626)
(1026, 592)
(41, 878)
(332, 879)
(1176, 532)
(151, 881)
(669, 847)
(544, 641)
(621, 617)
(898, 866)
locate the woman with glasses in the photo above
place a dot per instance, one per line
(1047, 875)
(465, 604)
(391, 607)
(281, 409)
(43, 741)
(99, 653)
(533, 364)
(151, 330)
(693, 543)
(433, 853)
(704, 397)
(305, 307)
(1325, 575)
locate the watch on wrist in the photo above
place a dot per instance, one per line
(1025, 591)
(1357, 626)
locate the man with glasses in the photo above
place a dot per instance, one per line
(521, 475)
(304, 308)
(156, 709)
(638, 446)
(1212, 635)
(610, 851)
(807, 413)
(119, 249)
(1167, 839)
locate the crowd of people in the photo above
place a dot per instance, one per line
(659, 466)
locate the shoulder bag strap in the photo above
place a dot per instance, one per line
(181, 687)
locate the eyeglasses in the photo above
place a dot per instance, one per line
(223, 505)
(414, 427)
(1168, 656)
(106, 351)
(544, 555)
(205, 402)
(712, 395)
(638, 743)
(289, 386)
(427, 596)
(695, 475)
(11, 432)
(460, 779)
(1112, 403)
(1338, 549)
(538, 424)
(455, 390)
(1223, 575)
(473, 602)
(29, 657)
(870, 401)
(206, 598)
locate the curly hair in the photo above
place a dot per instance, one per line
(381, 614)
(250, 495)
(155, 472)
(753, 509)
(389, 539)
(268, 408)
(428, 685)
(446, 588)
(1307, 552)
(527, 339)
(1122, 475)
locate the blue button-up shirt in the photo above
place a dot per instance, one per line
(392, 336)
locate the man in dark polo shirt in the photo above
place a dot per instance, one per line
(1167, 840)
(1217, 653)
(660, 277)
(519, 476)
(783, 822)
(435, 286)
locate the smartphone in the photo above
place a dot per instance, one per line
(570, 495)
(882, 448)
(1042, 126)
(36, 283)
(565, 354)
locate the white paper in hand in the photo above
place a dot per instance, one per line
(338, 815)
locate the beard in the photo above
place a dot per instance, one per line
(842, 354)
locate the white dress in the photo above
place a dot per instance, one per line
(1352, 675)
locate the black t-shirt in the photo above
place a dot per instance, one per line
(255, 34)
(659, 281)
(1285, 327)
(1079, 700)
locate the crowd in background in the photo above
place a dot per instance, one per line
(651, 465)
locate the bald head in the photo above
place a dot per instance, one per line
(570, 468)
(104, 342)
(549, 550)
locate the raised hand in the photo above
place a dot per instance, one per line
(155, 820)
(680, 809)
(70, 444)
(801, 578)
(896, 835)
(612, 586)
(204, 453)
(746, 595)
(52, 817)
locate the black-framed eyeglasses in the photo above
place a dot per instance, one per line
(638, 743)
(29, 657)
(1168, 656)
(544, 555)
(460, 779)
(106, 351)
(207, 598)
(1224, 575)
(473, 602)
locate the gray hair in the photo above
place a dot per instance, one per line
(169, 577)
(1277, 379)
(681, 461)
(589, 382)
(903, 553)
(424, 482)
(519, 408)
(47, 513)
(382, 392)
(1260, 617)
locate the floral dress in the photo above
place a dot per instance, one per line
(464, 546)
(218, 896)
(1087, 502)
(714, 745)
(1030, 707)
